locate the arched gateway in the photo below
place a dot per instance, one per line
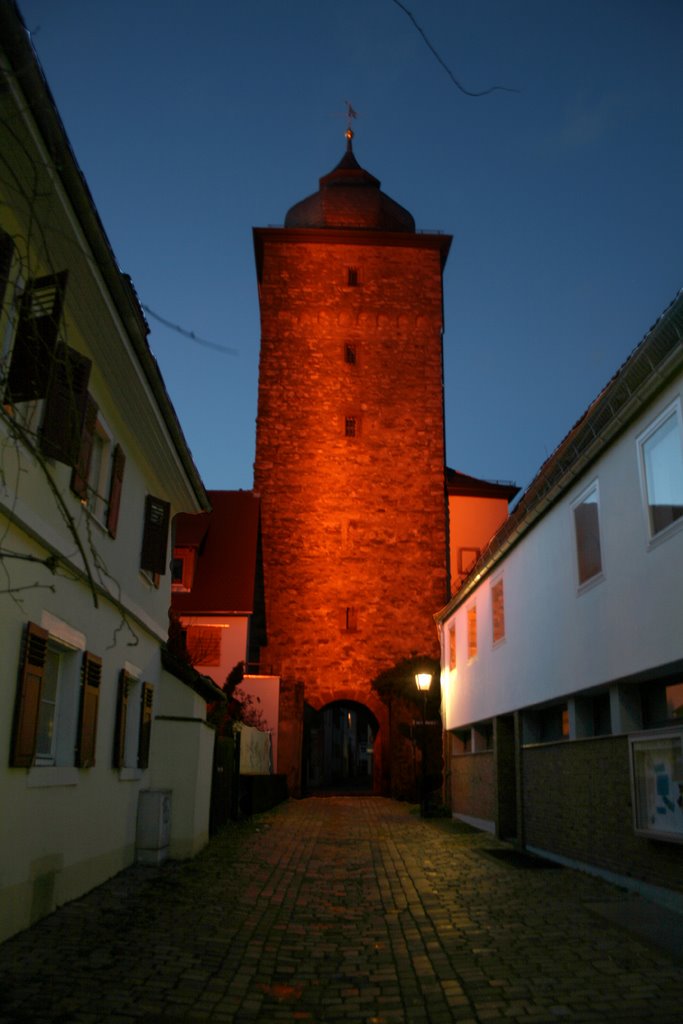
(341, 749)
(349, 468)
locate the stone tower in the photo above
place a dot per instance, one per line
(350, 458)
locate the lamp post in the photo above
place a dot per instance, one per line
(423, 680)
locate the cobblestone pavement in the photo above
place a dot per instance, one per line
(336, 910)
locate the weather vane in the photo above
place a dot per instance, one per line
(350, 116)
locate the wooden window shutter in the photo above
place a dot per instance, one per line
(117, 468)
(6, 253)
(79, 477)
(125, 684)
(29, 689)
(91, 677)
(155, 536)
(65, 405)
(146, 704)
(35, 341)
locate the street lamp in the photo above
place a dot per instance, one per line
(423, 680)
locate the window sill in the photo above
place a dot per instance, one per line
(41, 778)
(590, 583)
(130, 774)
(97, 520)
(663, 535)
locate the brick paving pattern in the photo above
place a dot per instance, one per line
(339, 910)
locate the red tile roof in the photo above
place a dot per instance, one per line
(226, 541)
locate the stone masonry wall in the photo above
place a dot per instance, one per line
(354, 527)
(577, 803)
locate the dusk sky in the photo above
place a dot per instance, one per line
(195, 121)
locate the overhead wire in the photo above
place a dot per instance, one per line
(225, 349)
(460, 86)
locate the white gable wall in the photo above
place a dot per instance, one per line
(559, 640)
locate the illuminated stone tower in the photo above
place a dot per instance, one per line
(349, 461)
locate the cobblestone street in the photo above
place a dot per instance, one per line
(342, 910)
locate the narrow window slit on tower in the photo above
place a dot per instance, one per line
(352, 277)
(350, 426)
(350, 619)
(350, 354)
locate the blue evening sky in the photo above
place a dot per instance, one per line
(195, 121)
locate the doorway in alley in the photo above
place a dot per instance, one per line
(338, 749)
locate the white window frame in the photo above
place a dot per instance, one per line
(99, 475)
(673, 409)
(590, 581)
(64, 644)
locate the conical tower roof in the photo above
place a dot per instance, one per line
(349, 197)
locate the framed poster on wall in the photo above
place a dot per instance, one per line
(657, 783)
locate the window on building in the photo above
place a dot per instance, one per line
(472, 632)
(497, 611)
(593, 715)
(661, 465)
(155, 535)
(97, 477)
(661, 703)
(145, 733)
(546, 725)
(65, 405)
(6, 293)
(348, 532)
(35, 340)
(133, 721)
(674, 701)
(462, 741)
(182, 568)
(55, 721)
(482, 737)
(204, 644)
(349, 619)
(451, 646)
(466, 559)
(350, 426)
(350, 353)
(587, 534)
(352, 277)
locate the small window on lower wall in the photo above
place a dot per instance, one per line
(482, 737)
(546, 725)
(462, 741)
(592, 715)
(657, 784)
